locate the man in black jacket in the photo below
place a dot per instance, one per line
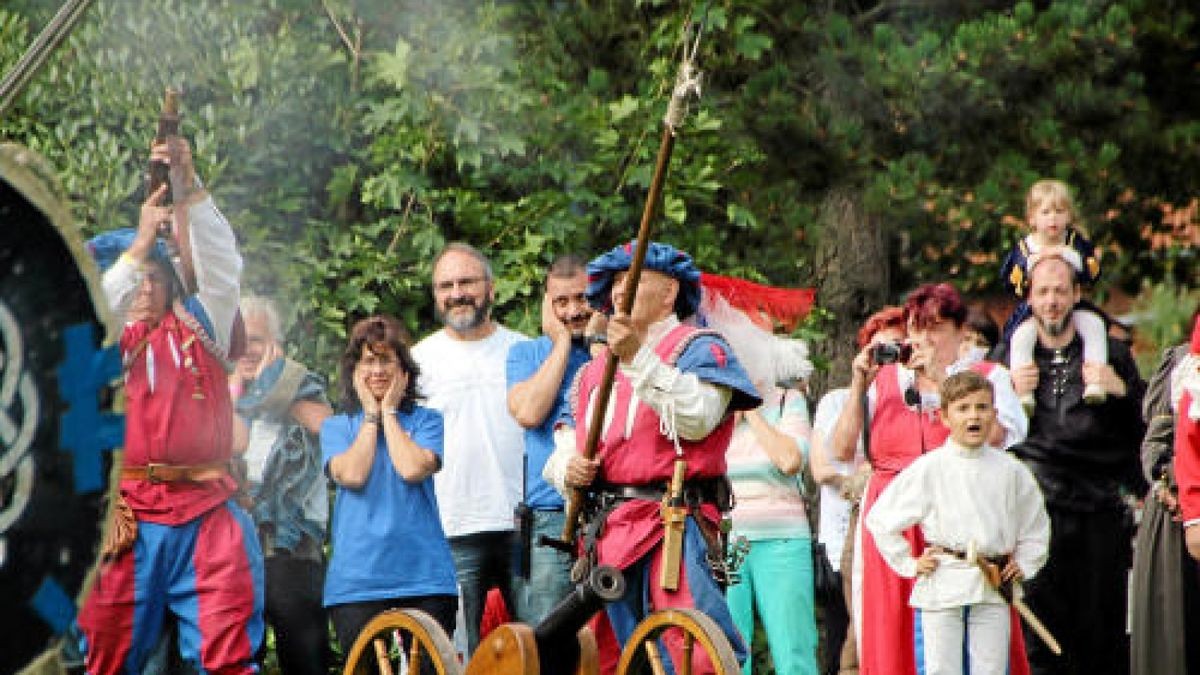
(1083, 457)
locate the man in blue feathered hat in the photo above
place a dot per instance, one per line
(673, 398)
(178, 543)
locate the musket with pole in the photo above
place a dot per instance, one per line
(158, 173)
(687, 82)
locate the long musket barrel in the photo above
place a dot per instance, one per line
(158, 174)
(686, 83)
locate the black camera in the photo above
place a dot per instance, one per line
(891, 352)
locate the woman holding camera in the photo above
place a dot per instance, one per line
(894, 392)
(842, 485)
(389, 550)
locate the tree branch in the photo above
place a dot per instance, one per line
(337, 25)
(888, 6)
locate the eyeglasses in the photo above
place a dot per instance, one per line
(465, 283)
(378, 362)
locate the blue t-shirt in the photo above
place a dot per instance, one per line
(524, 358)
(387, 535)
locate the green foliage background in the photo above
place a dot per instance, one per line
(348, 140)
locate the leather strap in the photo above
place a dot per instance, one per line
(167, 473)
(1000, 560)
(695, 491)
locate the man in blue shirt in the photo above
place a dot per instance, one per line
(540, 373)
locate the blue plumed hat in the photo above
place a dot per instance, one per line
(106, 247)
(662, 258)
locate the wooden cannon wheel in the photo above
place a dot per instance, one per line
(422, 640)
(644, 653)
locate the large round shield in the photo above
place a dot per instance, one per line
(57, 427)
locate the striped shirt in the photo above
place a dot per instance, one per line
(769, 504)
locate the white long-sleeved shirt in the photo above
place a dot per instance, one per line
(218, 268)
(689, 406)
(961, 496)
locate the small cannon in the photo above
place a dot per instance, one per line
(562, 644)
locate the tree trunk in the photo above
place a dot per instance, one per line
(852, 279)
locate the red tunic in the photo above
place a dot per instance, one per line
(646, 458)
(1187, 459)
(899, 435)
(178, 413)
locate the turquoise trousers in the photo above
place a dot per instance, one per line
(777, 584)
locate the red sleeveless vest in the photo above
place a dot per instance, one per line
(900, 434)
(648, 455)
(178, 412)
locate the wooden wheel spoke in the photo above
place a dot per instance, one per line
(427, 642)
(414, 655)
(691, 635)
(689, 645)
(654, 657)
(383, 657)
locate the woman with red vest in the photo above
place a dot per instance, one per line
(894, 391)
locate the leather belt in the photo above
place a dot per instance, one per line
(1000, 560)
(169, 473)
(695, 492)
(650, 493)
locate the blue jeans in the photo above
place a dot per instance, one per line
(483, 561)
(549, 572)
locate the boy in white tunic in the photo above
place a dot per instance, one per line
(964, 495)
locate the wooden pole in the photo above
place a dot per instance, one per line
(686, 82)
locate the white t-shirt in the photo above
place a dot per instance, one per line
(835, 511)
(479, 484)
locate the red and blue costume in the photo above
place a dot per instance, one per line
(196, 554)
(641, 442)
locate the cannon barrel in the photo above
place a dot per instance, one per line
(558, 648)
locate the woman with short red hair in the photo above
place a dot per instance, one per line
(894, 392)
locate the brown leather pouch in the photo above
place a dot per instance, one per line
(122, 530)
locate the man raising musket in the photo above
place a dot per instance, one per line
(179, 544)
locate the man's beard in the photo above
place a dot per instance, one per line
(1055, 328)
(465, 323)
